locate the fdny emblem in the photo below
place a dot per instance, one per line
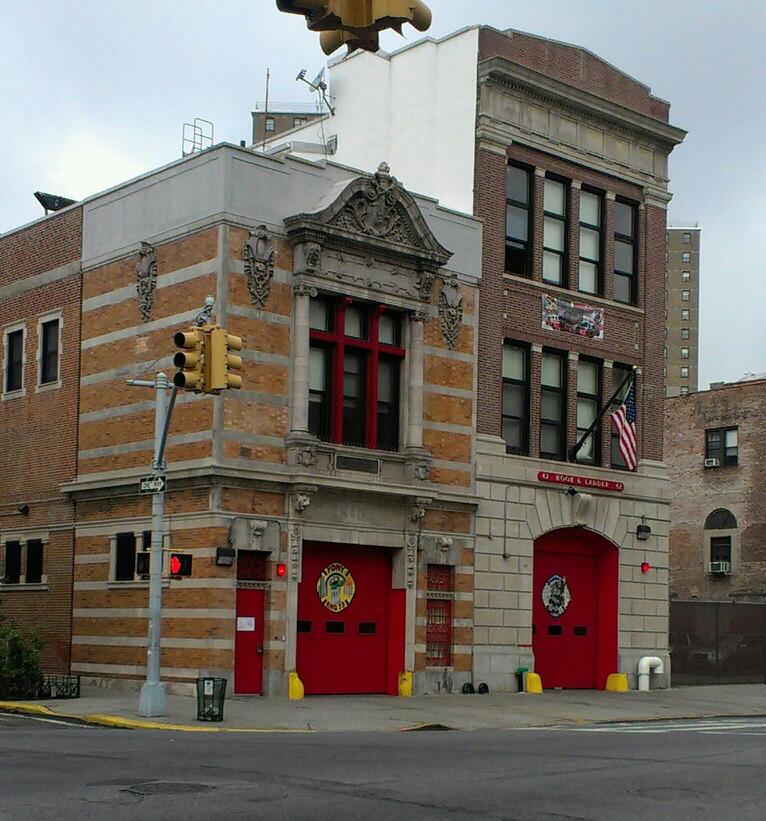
(336, 587)
(556, 595)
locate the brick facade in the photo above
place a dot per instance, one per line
(699, 491)
(40, 280)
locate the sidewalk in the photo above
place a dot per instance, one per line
(375, 713)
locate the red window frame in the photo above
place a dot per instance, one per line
(440, 582)
(336, 342)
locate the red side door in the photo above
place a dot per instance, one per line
(565, 614)
(343, 619)
(248, 642)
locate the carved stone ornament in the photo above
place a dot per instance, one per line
(296, 543)
(450, 311)
(258, 255)
(411, 560)
(313, 257)
(304, 289)
(424, 285)
(301, 501)
(374, 210)
(307, 456)
(444, 543)
(421, 471)
(418, 511)
(146, 280)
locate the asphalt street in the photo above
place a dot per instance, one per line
(702, 769)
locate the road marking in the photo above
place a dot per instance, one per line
(718, 726)
(48, 720)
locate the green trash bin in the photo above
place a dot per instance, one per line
(520, 677)
(210, 695)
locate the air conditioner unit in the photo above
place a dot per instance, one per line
(719, 568)
(712, 463)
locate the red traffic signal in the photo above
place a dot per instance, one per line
(281, 569)
(645, 567)
(180, 565)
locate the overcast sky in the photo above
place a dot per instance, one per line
(93, 92)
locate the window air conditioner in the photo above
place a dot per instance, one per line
(712, 463)
(719, 568)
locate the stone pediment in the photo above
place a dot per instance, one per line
(371, 215)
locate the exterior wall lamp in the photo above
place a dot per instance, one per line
(224, 556)
(643, 531)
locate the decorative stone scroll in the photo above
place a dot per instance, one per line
(450, 310)
(146, 280)
(411, 560)
(258, 255)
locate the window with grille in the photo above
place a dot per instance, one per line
(439, 592)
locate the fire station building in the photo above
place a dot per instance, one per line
(565, 159)
(327, 504)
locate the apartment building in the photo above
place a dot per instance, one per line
(682, 309)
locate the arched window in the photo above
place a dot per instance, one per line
(721, 519)
(718, 531)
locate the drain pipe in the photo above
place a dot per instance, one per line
(647, 665)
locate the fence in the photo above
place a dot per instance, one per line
(717, 642)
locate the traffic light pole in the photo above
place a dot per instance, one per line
(151, 701)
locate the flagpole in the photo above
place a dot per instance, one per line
(575, 449)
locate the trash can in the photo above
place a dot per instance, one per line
(520, 677)
(210, 695)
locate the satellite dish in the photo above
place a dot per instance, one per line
(318, 81)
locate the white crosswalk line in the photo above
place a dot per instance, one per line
(720, 726)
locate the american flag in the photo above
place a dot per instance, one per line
(624, 420)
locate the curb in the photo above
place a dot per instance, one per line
(118, 722)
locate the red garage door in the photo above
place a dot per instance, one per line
(345, 628)
(574, 609)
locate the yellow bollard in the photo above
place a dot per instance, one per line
(294, 687)
(534, 683)
(405, 684)
(617, 682)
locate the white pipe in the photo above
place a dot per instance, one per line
(646, 665)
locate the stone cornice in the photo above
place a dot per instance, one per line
(503, 72)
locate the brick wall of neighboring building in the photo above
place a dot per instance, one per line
(572, 65)
(40, 279)
(698, 491)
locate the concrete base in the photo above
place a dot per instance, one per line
(151, 700)
(438, 682)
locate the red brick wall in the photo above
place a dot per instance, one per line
(573, 66)
(698, 491)
(510, 308)
(39, 429)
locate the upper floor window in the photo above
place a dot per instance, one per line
(49, 351)
(554, 232)
(34, 569)
(686, 257)
(588, 405)
(12, 563)
(684, 371)
(625, 245)
(685, 296)
(684, 333)
(621, 380)
(589, 276)
(516, 398)
(299, 121)
(269, 124)
(684, 353)
(125, 554)
(553, 406)
(684, 313)
(687, 238)
(686, 276)
(354, 364)
(518, 199)
(14, 360)
(684, 390)
(720, 525)
(722, 444)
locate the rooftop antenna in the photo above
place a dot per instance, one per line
(197, 136)
(266, 111)
(318, 84)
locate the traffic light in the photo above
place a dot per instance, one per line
(190, 360)
(357, 22)
(180, 565)
(221, 362)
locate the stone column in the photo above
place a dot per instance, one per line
(298, 501)
(415, 382)
(299, 401)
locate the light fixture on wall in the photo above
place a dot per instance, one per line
(643, 531)
(23, 510)
(224, 556)
(570, 491)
